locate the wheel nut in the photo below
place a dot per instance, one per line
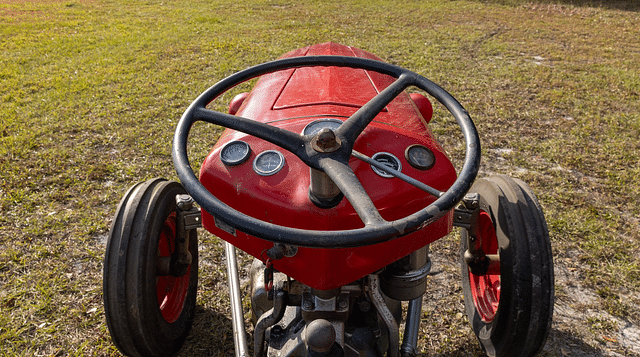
(325, 141)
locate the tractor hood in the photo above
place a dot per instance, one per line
(323, 91)
(328, 85)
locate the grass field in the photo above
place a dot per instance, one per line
(90, 92)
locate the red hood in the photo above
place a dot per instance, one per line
(330, 85)
(326, 91)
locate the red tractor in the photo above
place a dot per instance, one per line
(328, 174)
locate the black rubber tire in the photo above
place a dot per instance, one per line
(524, 311)
(132, 310)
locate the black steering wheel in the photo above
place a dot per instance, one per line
(327, 152)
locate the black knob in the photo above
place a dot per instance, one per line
(320, 336)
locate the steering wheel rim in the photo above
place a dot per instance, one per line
(376, 229)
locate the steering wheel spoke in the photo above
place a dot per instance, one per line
(353, 127)
(348, 183)
(285, 139)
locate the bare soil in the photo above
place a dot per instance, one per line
(581, 327)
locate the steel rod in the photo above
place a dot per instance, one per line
(412, 328)
(237, 316)
(408, 179)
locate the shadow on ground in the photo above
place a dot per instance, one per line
(562, 343)
(211, 335)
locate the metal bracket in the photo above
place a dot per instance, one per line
(224, 226)
(187, 219)
(466, 216)
(192, 219)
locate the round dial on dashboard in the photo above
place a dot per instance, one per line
(386, 159)
(315, 126)
(268, 163)
(420, 157)
(235, 153)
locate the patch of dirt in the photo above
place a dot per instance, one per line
(581, 326)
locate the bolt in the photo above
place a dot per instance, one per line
(326, 138)
(471, 200)
(325, 141)
(184, 202)
(307, 304)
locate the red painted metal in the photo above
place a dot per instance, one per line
(485, 289)
(236, 102)
(291, 99)
(171, 291)
(424, 105)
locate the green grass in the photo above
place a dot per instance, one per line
(91, 92)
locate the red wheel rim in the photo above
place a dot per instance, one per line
(171, 291)
(485, 289)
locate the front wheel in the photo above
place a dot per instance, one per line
(149, 310)
(510, 307)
